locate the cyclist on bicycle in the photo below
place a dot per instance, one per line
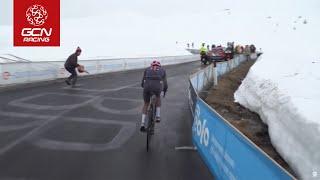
(153, 82)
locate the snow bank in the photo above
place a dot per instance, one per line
(284, 89)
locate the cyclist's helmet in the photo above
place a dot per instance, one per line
(156, 63)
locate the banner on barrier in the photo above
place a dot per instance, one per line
(26, 72)
(226, 152)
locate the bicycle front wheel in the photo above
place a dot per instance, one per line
(148, 139)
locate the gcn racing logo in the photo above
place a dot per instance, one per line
(36, 15)
(36, 23)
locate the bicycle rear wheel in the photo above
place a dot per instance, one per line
(148, 139)
(151, 118)
(149, 127)
(150, 132)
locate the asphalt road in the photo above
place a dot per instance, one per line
(91, 132)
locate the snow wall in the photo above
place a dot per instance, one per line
(288, 104)
(226, 151)
(30, 72)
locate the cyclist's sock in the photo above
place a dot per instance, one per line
(143, 119)
(158, 112)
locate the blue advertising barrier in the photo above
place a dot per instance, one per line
(226, 151)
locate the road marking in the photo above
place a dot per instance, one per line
(25, 115)
(126, 132)
(124, 99)
(188, 148)
(22, 102)
(139, 88)
(50, 121)
(7, 128)
(75, 86)
(116, 142)
(40, 128)
(99, 121)
(99, 105)
(102, 90)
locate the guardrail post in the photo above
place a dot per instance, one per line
(29, 67)
(232, 64)
(125, 64)
(204, 78)
(215, 74)
(198, 82)
(2, 75)
(210, 73)
(229, 65)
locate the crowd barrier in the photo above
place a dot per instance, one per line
(226, 151)
(28, 72)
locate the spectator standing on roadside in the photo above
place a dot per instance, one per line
(203, 49)
(70, 65)
(203, 53)
(252, 48)
(229, 50)
(253, 54)
(247, 51)
(238, 49)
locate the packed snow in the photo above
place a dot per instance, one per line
(283, 87)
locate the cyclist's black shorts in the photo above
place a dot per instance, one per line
(147, 93)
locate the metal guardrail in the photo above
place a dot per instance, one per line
(28, 72)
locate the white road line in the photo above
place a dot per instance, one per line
(191, 148)
(21, 102)
(102, 90)
(99, 121)
(99, 105)
(25, 115)
(7, 128)
(124, 99)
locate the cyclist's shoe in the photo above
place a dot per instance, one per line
(68, 82)
(158, 119)
(142, 128)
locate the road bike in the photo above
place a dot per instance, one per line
(151, 115)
